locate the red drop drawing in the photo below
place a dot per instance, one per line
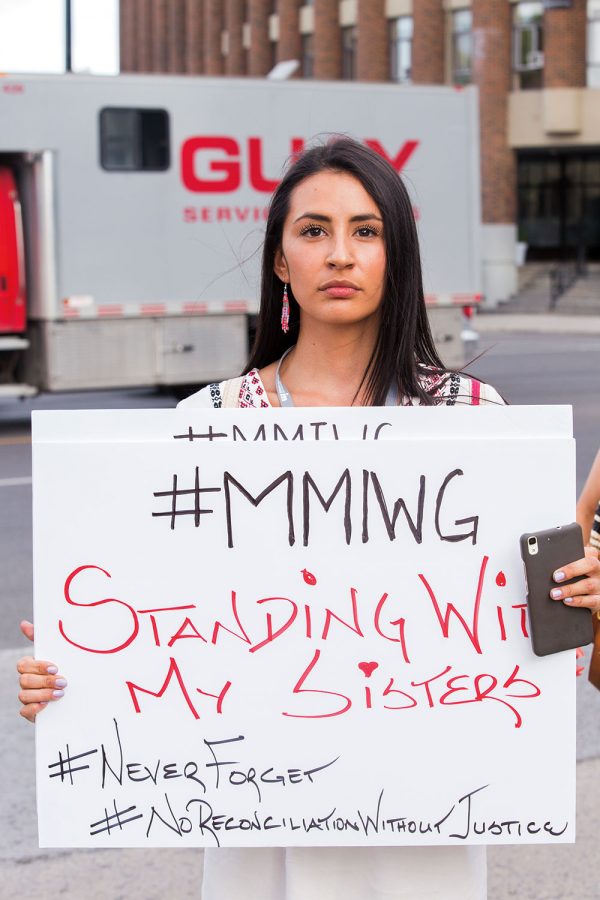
(308, 577)
(501, 579)
(368, 668)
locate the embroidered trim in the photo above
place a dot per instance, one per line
(453, 390)
(215, 395)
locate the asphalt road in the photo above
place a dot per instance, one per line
(549, 368)
(526, 368)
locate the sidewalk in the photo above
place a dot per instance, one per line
(577, 311)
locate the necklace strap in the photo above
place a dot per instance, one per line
(285, 398)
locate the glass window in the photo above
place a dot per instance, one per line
(593, 44)
(308, 56)
(134, 140)
(462, 46)
(349, 52)
(559, 203)
(400, 36)
(528, 44)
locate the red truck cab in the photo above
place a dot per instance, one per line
(12, 259)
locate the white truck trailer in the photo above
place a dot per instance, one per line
(132, 209)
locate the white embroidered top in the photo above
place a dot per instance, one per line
(446, 388)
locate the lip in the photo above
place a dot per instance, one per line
(338, 288)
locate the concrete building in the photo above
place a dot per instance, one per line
(536, 64)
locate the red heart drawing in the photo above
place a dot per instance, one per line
(308, 577)
(368, 668)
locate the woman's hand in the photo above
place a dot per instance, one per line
(39, 681)
(582, 593)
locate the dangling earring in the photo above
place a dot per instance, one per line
(285, 311)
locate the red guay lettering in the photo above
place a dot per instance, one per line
(226, 162)
(400, 159)
(227, 170)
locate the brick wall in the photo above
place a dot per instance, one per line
(289, 46)
(127, 32)
(235, 61)
(259, 57)
(213, 27)
(565, 46)
(176, 36)
(194, 21)
(327, 40)
(492, 62)
(143, 36)
(159, 36)
(372, 50)
(428, 42)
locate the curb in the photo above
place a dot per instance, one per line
(544, 324)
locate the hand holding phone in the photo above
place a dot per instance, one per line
(553, 625)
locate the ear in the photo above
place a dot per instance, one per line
(280, 266)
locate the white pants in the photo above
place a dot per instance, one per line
(346, 873)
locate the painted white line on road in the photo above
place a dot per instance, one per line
(14, 482)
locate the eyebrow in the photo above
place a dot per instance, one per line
(319, 217)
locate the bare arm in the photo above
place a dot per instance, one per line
(589, 499)
(39, 681)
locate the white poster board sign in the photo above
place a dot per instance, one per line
(299, 627)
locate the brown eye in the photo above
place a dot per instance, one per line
(313, 230)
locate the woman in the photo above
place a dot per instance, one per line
(588, 516)
(342, 323)
(588, 506)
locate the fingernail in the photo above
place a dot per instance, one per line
(52, 670)
(58, 693)
(568, 600)
(556, 593)
(559, 576)
(60, 682)
(43, 703)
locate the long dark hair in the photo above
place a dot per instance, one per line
(404, 344)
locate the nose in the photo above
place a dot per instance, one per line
(340, 253)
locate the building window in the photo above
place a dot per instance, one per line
(558, 202)
(349, 53)
(134, 140)
(593, 44)
(462, 46)
(528, 44)
(401, 32)
(308, 56)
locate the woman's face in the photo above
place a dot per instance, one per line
(332, 251)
